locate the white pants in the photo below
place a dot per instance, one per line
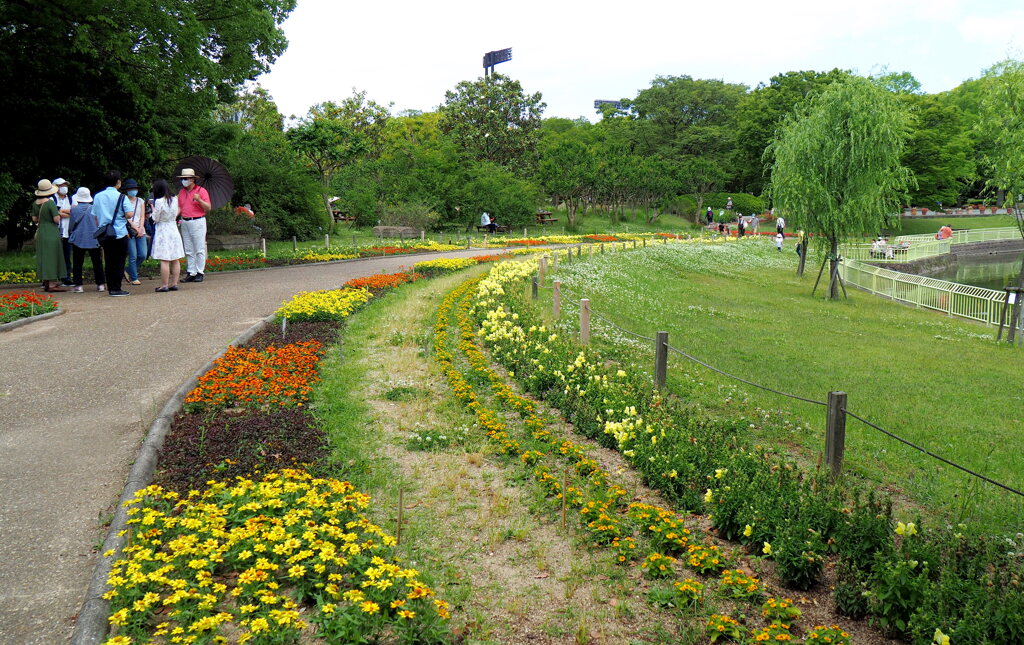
(193, 238)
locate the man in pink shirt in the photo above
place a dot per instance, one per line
(194, 204)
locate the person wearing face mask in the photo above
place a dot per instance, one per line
(63, 203)
(193, 203)
(49, 260)
(138, 248)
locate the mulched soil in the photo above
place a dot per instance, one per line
(223, 444)
(202, 446)
(325, 332)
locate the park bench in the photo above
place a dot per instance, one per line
(498, 228)
(544, 217)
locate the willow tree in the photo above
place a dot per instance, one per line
(1002, 121)
(836, 169)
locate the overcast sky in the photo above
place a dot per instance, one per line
(408, 53)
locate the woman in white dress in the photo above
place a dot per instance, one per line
(167, 246)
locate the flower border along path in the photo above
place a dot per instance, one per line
(639, 533)
(175, 583)
(21, 308)
(759, 497)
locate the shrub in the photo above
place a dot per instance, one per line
(413, 214)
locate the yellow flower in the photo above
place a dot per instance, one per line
(748, 530)
(708, 496)
(720, 472)
(940, 638)
(369, 607)
(907, 529)
(767, 549)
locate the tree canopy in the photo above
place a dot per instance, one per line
(837, 168)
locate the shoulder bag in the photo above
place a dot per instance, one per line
(107, 232)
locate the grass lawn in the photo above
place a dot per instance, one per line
(910, 226)
(936, 381)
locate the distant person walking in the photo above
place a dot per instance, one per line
(63, 203)
(167, 245)
(710, 215)
(778, 241)
(741, 225)
(83, 240)
(109, 206)
(50, 267)
(728, 204)
(193, 204)
(780, 225)
(138, 247)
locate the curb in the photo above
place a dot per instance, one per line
(14, 324)
(91, 627)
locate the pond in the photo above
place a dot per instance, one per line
(993, 271)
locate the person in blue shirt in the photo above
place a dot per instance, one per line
(109, 205)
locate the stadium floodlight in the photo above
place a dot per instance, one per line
(599, 102)
(498, 56)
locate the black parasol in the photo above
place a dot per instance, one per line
(211, 175)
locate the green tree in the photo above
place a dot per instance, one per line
(939, 151)
(679, 117)
(568, 173)
(760, 113)
(837, 170)
(701, 177)
(493, 119)
(122, 83)
(326, 145)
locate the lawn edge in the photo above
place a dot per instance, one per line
(21, 322)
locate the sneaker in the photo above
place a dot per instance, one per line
(198, 278)
(101, 287)
(120, 293)
(189, 278)
(78, 289)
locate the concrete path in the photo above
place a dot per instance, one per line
(77, 395)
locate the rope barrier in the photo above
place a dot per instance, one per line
(931, 454)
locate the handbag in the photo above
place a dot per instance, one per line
(107, 232)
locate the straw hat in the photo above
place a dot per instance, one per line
(44, 188)
(187, 173)
(82, 195)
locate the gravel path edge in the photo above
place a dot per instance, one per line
(21, 322)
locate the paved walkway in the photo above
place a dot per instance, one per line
(77, 395)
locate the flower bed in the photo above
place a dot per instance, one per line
(233, 263)
(383, 281)
(608, 519)
(602, 238)
(275, 377)
(24, 304)
(759, 497)
(18, 277)
(332, 304)
(247, 559)
(443, 265)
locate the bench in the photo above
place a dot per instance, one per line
(498, 228)
(544, 217)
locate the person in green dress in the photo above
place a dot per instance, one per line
(50, 266)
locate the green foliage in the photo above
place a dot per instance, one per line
(761, 112)
(126, 81)
(326, 144)
(493, 120)
(489, 187)
(414, 214)
(567, 172)
(939, 152)
(837, 170)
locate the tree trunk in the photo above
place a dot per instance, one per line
(833, 263)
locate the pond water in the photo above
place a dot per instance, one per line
(990, 271)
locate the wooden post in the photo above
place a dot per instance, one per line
(327, 240)
(263, 246)
(524, 232)
(835, 433)
(579, 251)
(556, 300)
(554, 261)
(634, 244)
(533, 289)
(423, 235)
(591, 251)
(398, 533)
(565, 492)
(660, 359)
(354, 244)
(602, 248)
(485, 240)
(645, 242)
(295, 243)
(542, 268)
(284, 327)
(585, 321)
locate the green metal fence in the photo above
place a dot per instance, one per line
(967, 236)
(961, 300)
(907, 251)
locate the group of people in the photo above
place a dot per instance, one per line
(744, 224)
(116, 229)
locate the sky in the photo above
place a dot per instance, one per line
(409, 53)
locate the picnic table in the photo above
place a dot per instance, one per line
(544, 217)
